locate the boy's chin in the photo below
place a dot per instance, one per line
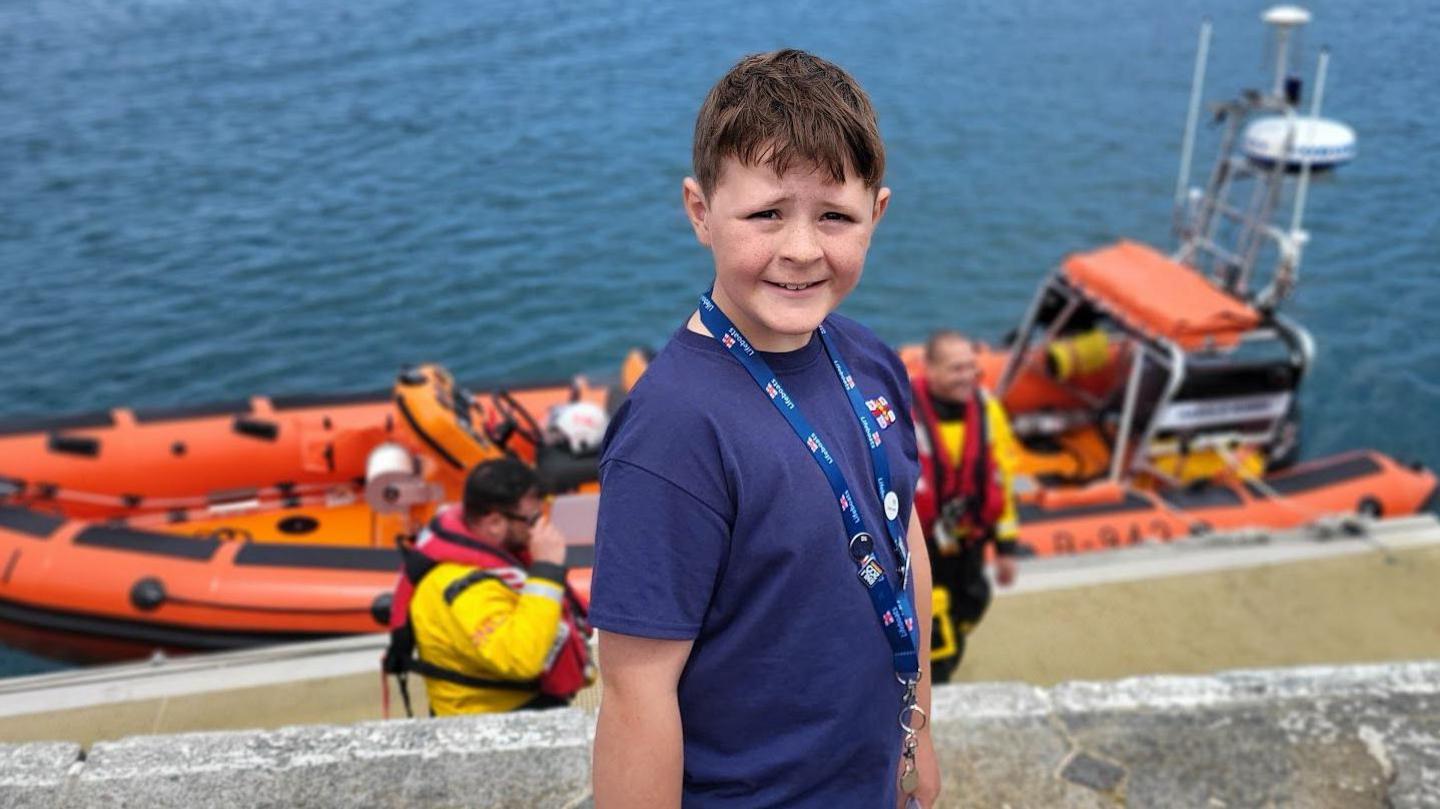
(792, 331)
(798, 320)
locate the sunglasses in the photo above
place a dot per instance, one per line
(528, 519)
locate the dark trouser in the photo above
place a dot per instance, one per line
(541, 702)
(964, 576)
(544, 702)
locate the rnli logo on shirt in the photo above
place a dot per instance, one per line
(882, 411)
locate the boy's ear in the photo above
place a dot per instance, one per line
(882, 202)
(697, 209)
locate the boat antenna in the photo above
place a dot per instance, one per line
(1304, 185)
(1187, 150)
(1284, 18)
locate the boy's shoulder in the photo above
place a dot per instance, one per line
(669, 424)
(855, 331)
(682, 371)
(861, 345)
(671, 399)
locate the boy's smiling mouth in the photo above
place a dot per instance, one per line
(800, 287)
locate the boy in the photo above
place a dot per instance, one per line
(754, 641)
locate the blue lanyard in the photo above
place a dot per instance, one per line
(892, 606)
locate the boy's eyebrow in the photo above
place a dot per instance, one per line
(825, 202)
(773, 201)
(839, 206)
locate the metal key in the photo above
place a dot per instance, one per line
(910, 780)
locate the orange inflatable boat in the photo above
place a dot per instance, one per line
(1146, 414)
(248, 522)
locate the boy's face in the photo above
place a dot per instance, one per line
(788, 249)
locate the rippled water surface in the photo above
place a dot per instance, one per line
(204, 200)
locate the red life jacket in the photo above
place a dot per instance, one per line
(974, 481)
(447, 539)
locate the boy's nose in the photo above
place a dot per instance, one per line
(801, 244)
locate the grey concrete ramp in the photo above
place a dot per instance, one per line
(1263, 600)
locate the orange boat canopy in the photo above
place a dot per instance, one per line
(1158, 296)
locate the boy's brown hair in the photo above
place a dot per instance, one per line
(787, 107)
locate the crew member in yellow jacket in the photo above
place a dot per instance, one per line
(964, 495)
(493, 624)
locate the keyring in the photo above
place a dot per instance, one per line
(905, 726)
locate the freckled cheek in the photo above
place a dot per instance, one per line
(847, 259)
(752, 260)
(743, 253)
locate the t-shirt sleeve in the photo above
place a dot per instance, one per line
(658, 553)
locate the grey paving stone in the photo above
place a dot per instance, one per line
(1088, 771)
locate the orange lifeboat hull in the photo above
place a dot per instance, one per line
(1352, 483)
(210, 527)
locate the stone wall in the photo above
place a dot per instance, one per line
(1354, 736)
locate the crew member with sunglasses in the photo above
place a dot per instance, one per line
(481, 609)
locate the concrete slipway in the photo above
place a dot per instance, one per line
(1324, 735)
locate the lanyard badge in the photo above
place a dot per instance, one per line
(891, 604)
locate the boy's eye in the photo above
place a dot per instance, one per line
(836, 216)
(766, 214)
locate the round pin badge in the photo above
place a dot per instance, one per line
(861, 546)
(892, 505)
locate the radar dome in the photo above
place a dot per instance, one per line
(1321, 141)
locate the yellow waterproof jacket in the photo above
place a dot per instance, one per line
(1006, 454)
(472, 622)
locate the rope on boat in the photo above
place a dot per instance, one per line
(215, 504)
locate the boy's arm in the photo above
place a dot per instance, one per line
(639, 758)
(925, 761)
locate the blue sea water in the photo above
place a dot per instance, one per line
(204, 200)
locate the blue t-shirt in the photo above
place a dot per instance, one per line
(717, 525)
